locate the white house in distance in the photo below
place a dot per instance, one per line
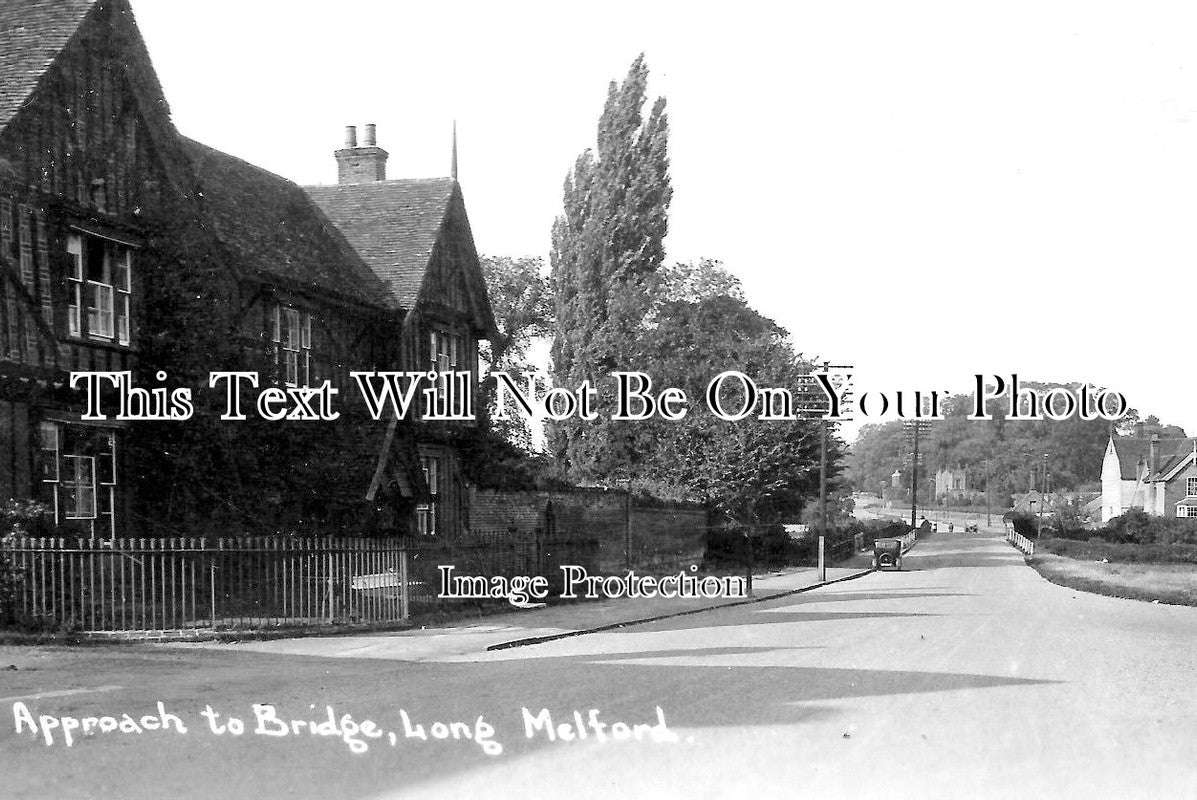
(1158, 475)
(950, 482)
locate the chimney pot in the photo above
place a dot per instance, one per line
(364, 164)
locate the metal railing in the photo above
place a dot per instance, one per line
(1021, 542)
(96, 585)
(147, 585)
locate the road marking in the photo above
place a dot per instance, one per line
(59, 693)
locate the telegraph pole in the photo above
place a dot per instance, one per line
(823, 471)
(1042, 497)
(988, 503)
(914, 428)
(914, 479)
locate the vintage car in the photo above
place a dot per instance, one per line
(887, 554)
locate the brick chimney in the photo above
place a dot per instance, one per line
(364, 164)
(1153, 458)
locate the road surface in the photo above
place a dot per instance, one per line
(967, 675)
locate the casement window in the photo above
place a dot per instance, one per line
(292, 336)
(78, 467)
(99, 288)
(1190, 487)
(444, 350)
(1186, 511)
(426, 512)
(79, 487)
(447, 354)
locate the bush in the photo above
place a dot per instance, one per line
(1024, 523)
(1138, 527)
(1097, 549)
(1135, 526)
(771, 546)
(17, 518)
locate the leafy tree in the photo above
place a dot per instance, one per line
(523, 306)
(873, 457)
(606, 246)
(751, 470)
(697, 280)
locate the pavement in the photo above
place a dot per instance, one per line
(462, 641)
(964, 675)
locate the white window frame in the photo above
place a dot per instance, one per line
(100, 310)
(74, 284)
(108, 300)
(1186, 512)
(447, 350)
(426, 512)
(51, 448)
(291, 348)
(1191, 487)
(123, 283)
(292, 335)
(74, 488)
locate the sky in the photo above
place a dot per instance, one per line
(926, 191)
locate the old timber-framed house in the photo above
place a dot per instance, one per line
(126, 247)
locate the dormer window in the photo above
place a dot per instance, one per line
(99, 278)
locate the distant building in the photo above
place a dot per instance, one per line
(1155, 474)
(1034, 502)
(951, 483)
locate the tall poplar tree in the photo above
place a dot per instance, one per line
(607, 246)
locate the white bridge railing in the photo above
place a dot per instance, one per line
(1021, 542)
(908, 540)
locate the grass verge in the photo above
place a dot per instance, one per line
(1175, 584)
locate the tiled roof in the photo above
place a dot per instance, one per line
(392, 224)
(1178, 454)
(273, 227)
(32, 34)
(1131, 452)
(1134, 450)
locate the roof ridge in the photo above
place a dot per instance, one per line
(388, 181)
(187, 140)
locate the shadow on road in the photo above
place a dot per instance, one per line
(699, 687)
(766, 614)
(839, 597)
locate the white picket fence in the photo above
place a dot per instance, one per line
(1021, 542)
